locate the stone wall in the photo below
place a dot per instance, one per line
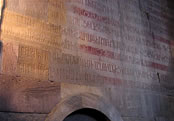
(119, 50)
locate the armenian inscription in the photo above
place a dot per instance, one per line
(26, 29)
(33, 62)
(79, 40)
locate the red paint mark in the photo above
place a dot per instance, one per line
(114, 81)
(154, 65)
(112, 55)
(166, 41)
(158, 66)
(83, 12)
(96, 51)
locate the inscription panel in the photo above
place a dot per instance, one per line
(57, 12)
(94, 38)
(32, 62)
(9, 63)
(118, 46)
(33, 8)
(26, 29)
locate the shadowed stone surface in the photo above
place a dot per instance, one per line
(79, 118)
(21, 117)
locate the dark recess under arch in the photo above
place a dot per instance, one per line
(86, 114)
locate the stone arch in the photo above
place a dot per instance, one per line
(81, 101)
(87, 114)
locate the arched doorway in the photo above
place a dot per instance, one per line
(88, 105)
(86, 114)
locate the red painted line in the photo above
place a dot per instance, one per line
(154, 65)
(166, 41)
(111, 55)
(96, 51)
(83, 12)
(158, 66)
(172, 43)
(111, 80)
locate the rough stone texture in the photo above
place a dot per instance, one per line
(28, 95)
(115, 56)
(85, 100)
(21, 117)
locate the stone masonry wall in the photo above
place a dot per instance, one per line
(120, 50)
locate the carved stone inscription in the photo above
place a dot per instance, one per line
(32, 62)
(57, 12)
(78, 40)
(110, 50)
(33, 8)
(9, 63)
(25, 29)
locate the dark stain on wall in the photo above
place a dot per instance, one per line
(2, 12)
(1, 18)
(0, 47)
(170, 77)
(168, 82)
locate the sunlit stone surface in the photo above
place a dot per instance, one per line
(119, 50)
